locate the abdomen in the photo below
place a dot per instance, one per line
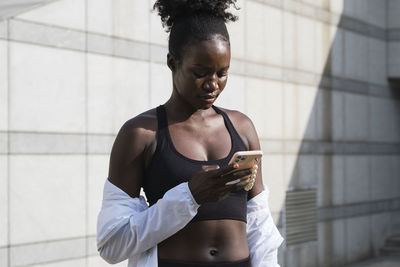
(207, 241)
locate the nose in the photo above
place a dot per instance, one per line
(211, 84)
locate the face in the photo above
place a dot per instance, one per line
(201, 73)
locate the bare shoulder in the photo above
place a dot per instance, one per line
(244, 126)
(141, 127)
(238, 118)
(131, 150)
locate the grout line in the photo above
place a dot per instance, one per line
(266, 139)
(86, 191)
(58, 133)
(8, 146)
(149, 65)
(77, 238)
(52, 261)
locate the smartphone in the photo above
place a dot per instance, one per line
(246, 159)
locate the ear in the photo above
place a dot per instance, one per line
(171, 62)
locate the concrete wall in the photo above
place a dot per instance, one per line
(312, 75)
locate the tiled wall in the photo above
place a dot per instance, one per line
(394, 38)
(312, 75)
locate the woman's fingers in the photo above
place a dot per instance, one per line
(225, 170)
(208, 168)
(237, 175)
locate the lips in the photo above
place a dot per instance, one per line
(208, 98)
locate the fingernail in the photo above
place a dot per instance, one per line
(233, 182)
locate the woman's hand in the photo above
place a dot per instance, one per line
(214, 183)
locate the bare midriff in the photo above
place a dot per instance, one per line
(207, 241)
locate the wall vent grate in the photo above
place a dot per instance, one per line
(301, 216)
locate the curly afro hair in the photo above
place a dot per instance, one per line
(172, 10)
(192, 21)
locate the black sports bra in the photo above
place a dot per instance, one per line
(169, 168)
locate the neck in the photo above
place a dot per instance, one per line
(180, 110)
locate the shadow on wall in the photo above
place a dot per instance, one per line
(341, 200)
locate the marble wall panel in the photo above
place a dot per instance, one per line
(3, 201)
(158, 34)
(331, 243)
(377, 13)
(384, 122)
(122, 18)
(67, 263)
(306, 44)
(255, 32)
(380, 230)
(323, 42)
(289, 40)
(336, 6)
(46, 35)
(160, 84)
(237, 30)
(3, 85)
(307, 123)
(393, 60)
(356, 119)
(302, 256)
(117, 90)
(382, 177)
(393, 10)
(356, 9)
(51, 97)
(355, 56)
(3, 29)
(234, 94)
(97, 261)
(356, 179)
(47, 252)
(330, 175)
(272, 167)
(97, 175)
(336, 56)
(307, 171)
(377, 67)
(290, 110)
(49, 193)
(273, 35)
(358, 238)
(4, 257)
(273, 109)
(64, 13)
(256, 102)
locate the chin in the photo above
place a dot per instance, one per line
(206, 105)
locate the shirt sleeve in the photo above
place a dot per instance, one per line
(263, 237)
(127, 226)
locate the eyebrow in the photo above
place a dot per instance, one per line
(202, 66)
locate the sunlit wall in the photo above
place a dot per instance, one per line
(312, 75)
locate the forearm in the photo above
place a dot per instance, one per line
(135, 230)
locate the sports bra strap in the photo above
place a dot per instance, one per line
(228, 122)
(161, 117)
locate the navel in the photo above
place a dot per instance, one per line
(213, 252)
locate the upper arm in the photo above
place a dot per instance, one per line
(245, 128)
(127, 157)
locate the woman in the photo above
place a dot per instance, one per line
(199, 214)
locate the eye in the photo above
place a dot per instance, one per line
(222, 73)
(199, 74)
